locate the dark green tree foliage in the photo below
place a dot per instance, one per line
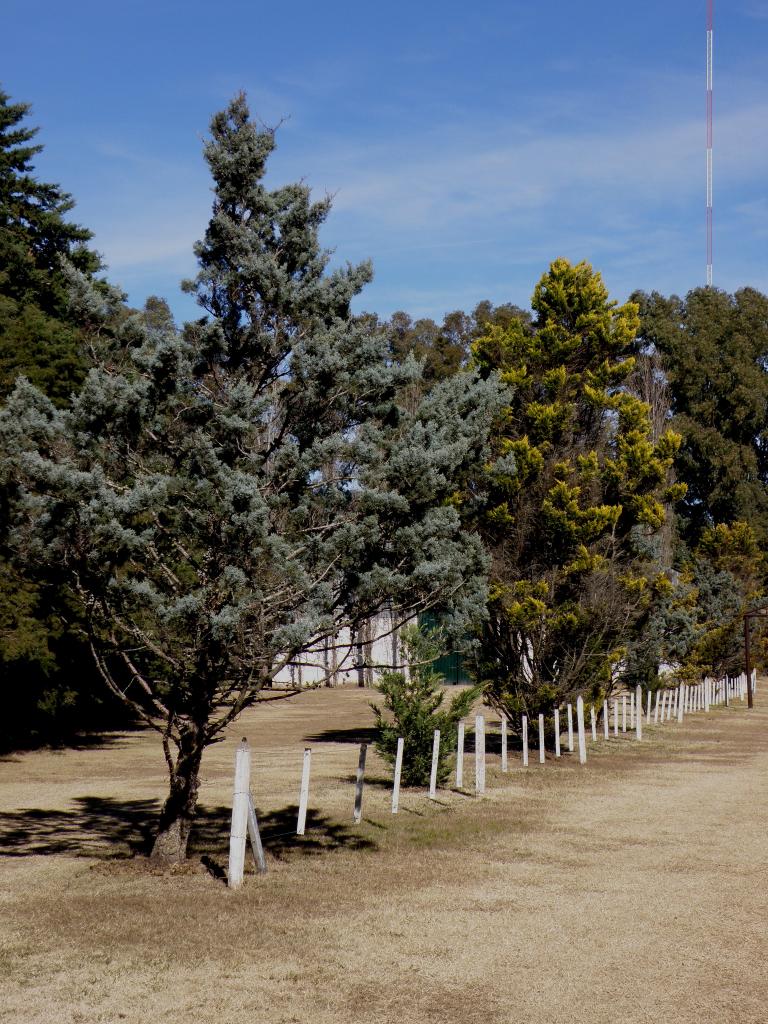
(715, 354)
(444, 348)
(223, 500)
(413, 703)
(48, 683)
(38, 337)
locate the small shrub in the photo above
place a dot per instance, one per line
(415, 705)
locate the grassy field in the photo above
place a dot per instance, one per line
(634, 889)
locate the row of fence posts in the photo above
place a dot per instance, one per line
(670, 704)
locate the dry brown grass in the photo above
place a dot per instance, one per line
(631, 890)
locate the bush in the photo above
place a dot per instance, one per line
(415, 705)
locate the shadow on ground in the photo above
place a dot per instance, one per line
(105, 828)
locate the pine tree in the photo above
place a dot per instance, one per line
(37, 336)
(714, 348)
(224, 499)
(572, 500)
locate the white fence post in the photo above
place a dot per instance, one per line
(656, 708)
(542, 752)
(504, 755)
(304, 796)
(435, 760)
(593, 722)
(255, 837)
(615, 716)
(359, 779)
(479, 755)
(605, 719)
(623, 712)
(557, 732)
(580, 725)
(639, 713)
(460, 756)
(525, 741)
(570, 728)
(239, 827)
(648, 713)
(681, 702)
(398, 773)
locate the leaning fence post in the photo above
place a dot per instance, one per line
(570, 728)
(358, 816)
(580, 726)
(460, 756)
(435, 761)
(479, 755)
(255, 837)
(542, 752)
(304, 796)
(504, 759)
(639, 714)
(239, 827)
(398, 773)
(557, 732)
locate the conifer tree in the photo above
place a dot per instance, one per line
(223, 499)
(37, 335)
(714, 348)
(572, 499)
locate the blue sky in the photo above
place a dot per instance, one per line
(466, 144)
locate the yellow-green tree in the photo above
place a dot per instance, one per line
(572, 502)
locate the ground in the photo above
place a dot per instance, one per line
(632, 889)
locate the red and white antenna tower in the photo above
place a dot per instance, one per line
(709, 140)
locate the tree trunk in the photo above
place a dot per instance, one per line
(177, 815)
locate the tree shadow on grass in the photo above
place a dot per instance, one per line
(106, 829)
(358, 735)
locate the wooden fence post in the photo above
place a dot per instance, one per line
(239, 827)
(504, 757)
(648, 713)
(639, 713)
(681, 702)
(304, 796)
(580, 726)
(656, 709)
(570, 728)
(615, 716)
(525, 741)
(460, 756)
(542, 752)
(593, 722)
(623, 712)
(605, 719)
(479, 755)
(358, 817)
(632, 703)
(398, 773)
(557, 732)
(435, 761)
(255, 837)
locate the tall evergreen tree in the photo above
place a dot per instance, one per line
(572, 499)
(714, 348)
(223, 500)
(38, 337)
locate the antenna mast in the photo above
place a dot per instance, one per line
(709, 140)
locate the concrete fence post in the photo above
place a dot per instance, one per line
(239, 827)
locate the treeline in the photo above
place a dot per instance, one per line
(577, 491)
